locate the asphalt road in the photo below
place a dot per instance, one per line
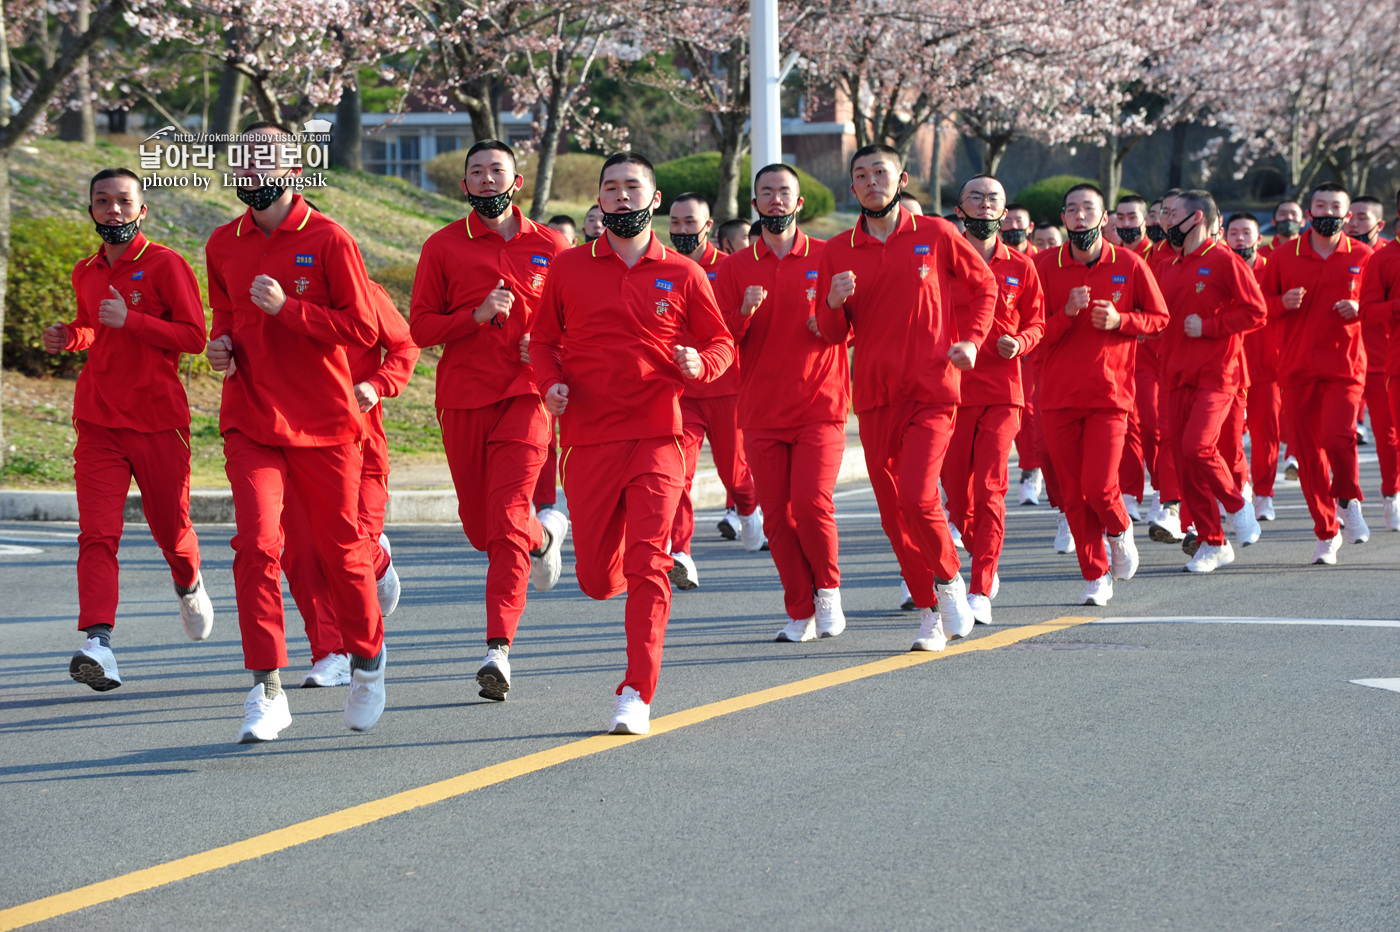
(1107, 776)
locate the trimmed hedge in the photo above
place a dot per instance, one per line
(39, 292)
(700, 173)
(1045, 198)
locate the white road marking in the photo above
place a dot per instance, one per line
(1392, 685)
(14, 550)
(1332, 622)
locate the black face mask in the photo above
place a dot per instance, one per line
(778, 224)
(1084, 240)
(685, 243)
(628, 223)
(1155, 232)
(1129, 235)
(1327, 226)
(260, 198)
(118, 233)
(982, 229)
(1176, 236)
(1246, 253)
(1287, 228)
(1013, 237)
(491, 206)
(883, 211)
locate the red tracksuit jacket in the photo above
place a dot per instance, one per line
(1380, 301)
(459, 266)
(790, 376)
(728, 382)
(1216, 285)
(292, 383)
(386, 366)
(131, 379)
(1020, 313)
(609, 333)
(902, 312)
(1083, 367)
(1318, 343)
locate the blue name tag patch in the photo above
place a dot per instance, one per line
(1356, 270)
(139, 275)
(1203, 271)
(1120, 279)
(303, 259)
(710, 275)
(1012, 281)
(921, 250)
(539, 260)
(812, 273)
(663, 284)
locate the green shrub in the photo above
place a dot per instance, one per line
(700, 173)
(1045, 198)
(39, 293)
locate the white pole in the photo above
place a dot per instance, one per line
(766, 129)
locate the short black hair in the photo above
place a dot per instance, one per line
(563, 218)
(1132, 199)
(974, 178)
(1367, 199)
(1282, 203)
(267, 124)
(1241, 215)
(777, 167)
(115, 173)
(591, 208)
(1084, 186)
(1327, 187)
(1021, 207)
(1198, 199)
(1170, 192)
(1046, 225)
(906, 196)
(875, 148)
(755, 229)
(490, 145)
(628, 157)
(726, 229)
(691, 196)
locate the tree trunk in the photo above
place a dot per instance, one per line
(79, 125)
(1110, 172)
(481, 99)
(347, 149)
(935, 171)
(1174, 176)
(549, 146)
(731, 166)
(228, 107)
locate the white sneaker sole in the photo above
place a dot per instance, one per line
(89, 672)
(680, 579)
(493, 683)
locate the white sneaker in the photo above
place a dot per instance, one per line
(1354, 527)
(384, 545)
(494, 675)
(633, 716)
(1130, 505)
(365, 703)
(798, 630)
(1030, 495)
(1155, 508)
(831, 620)
(330, 670)
(683, 574)
(1264, 508)
(729, 525)
(1209, 558)
(981, 607)
(952, 605)
(906, 601)
(1326, 551)
(546, 566)
(1392, 512)
(387, 588)
(931, 636)
(1123, 554)
(1290, 468)
(957, 537)
(1098, 591)
(751, 531)
(1247, 528)
(996, 585)
(1363, 435)
(1167, 528)
(1064, 537)
(263, 718)
(197, 612)
(95, 666)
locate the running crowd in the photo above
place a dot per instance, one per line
(1142, 348)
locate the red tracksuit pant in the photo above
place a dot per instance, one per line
(1262, 415)
(1383, 429)
(495, 454)
(104, 463)
(622, 498)
(1047, 468)
(794, 472)
(326, 480)
(545, 490)
(1324, 440)
(904, 449)
(307, 578)
(1085, 445)
(974, 476)
(715, 417)
(1027, 449)
(1132, 472)
(1201, 422)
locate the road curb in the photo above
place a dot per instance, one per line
(406, 506)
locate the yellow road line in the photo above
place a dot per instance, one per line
(302, 832)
